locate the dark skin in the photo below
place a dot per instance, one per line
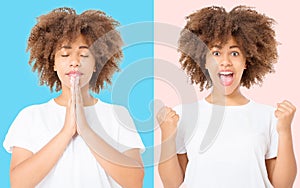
(125, 168)
(281, 170)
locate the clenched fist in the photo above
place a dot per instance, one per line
(167, 119)
(284, 113)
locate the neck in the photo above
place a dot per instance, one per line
(65, 96)
(235, 98)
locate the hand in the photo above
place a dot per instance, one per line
(70, 118)
(284, 113)
(79, 110)
(167, 119)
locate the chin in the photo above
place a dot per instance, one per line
(227, 90)
(230, 90)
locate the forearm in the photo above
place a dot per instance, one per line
(285, 167)
(123, 169)
(169, 168)
(32, 170)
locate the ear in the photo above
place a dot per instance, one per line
(95, 69)
(54, 68)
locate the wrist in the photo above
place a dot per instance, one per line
(67, 132)
(168, 135)
(285, 133)
(82, 130)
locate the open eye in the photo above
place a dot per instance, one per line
(235, 53)
(216, 53)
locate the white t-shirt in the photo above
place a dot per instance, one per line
(245, 137)
(36, 125)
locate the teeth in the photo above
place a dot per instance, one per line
(225, 73)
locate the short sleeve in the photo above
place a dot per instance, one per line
(128, 137)
(273, 139)
(19, 132)
(180, 136)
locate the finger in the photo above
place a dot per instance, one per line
(289, 104)
(73, 98)
(79, 99)
(77, 80)
(162, 112)
(72, 82)
(171, 113)
(78, 96)
(281, 109)
(277, 113)
(176, 117)
(284, 107)
(68, 109)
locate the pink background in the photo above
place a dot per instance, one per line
(276, 87)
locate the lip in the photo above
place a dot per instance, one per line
(220, 71)
(226, 73)
(74, 73)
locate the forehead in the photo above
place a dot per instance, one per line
(230, 42)
(72, 42)
(78, 40)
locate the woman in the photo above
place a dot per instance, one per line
(74, 140)
(233, 142)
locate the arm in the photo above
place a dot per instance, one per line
(171, 168)
(125, 168)
(183, 161)
(28, 169)
(282, 170)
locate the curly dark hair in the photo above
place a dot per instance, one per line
(213, 25)
(63, 24)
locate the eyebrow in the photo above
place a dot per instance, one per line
(80, 47)
(234, 47)
(218, 46)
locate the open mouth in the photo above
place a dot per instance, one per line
(226, 77)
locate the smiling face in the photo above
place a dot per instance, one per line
(74, 59)
(226, 65)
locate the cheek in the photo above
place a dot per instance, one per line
(60, 71)
(212, 69)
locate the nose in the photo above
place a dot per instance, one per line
(225, 61)
(74, 61)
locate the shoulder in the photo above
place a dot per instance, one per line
(112, 112)
(261, 108)
(108, 107)
(263, 113)
(189, 107)
(31, 109)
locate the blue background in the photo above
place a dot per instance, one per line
(20, 86)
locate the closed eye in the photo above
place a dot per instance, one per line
(84, 55)
(64, 55)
